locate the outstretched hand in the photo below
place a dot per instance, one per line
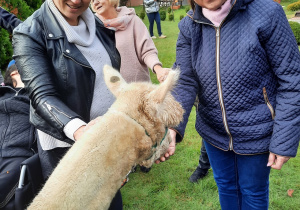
(161, 73)
(277, 161)
(80, 131)
(171, 149)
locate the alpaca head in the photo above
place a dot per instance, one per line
(150, 105)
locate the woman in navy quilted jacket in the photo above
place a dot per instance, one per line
(241, 58)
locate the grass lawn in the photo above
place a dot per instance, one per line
(166, 186)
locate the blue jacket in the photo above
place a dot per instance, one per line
(17, 134)
(245, 72)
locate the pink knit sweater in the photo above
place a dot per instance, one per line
(135, 45)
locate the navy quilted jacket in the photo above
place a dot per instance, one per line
(247, 76)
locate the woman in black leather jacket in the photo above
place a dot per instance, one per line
(60, 51)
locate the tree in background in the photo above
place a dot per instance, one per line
(22, 9)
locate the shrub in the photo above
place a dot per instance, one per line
(171, 17)
(22, 10)
(294, 6)
(162, 15)
(181, 16)
(296, 30)
(169, 10)
(6, 50)
(187, 9)
(142, 15)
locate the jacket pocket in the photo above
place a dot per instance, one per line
(268, 103)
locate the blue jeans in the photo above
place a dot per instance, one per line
(154, 16)
(242, 180)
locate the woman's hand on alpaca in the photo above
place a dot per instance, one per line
(171, 150)
(277, 161)
(81, 130)
(161, 73)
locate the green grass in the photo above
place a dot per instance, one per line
(166, 186)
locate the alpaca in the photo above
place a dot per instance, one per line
(133, 131)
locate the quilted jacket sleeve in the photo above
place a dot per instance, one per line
(187, 88)
(284, 58)
(8, 21)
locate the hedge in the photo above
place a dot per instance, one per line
(22, 9)
(296, 30)
(294, 6)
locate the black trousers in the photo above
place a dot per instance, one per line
(203, 159)
(49, 160)
(9, 177)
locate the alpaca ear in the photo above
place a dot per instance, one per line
(158, 95)
(113, 80)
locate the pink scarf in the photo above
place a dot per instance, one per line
(119, 23)
(216, 16)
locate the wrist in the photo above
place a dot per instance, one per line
(157, 68)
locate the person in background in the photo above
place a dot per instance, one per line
(152, 11)
(203, 164)
(202, 169)
(8, 21)
(133, 42)
(137, 50)
(18, 142)
(60, 51)
(242, 60)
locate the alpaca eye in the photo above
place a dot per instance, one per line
(114, 79)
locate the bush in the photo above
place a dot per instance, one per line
(142, 15)
(171, 17)
(294, 6)
(6, 50)
(22, 10)
(181, 16)
(169, 10)
(187, 9)
(296, 30)
(162, 15)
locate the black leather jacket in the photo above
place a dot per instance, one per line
(59, 79)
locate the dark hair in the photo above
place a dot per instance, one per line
(7, 77)
(192, 3)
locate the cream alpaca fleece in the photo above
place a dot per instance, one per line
(135, 46)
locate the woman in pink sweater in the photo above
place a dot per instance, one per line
(133, 41)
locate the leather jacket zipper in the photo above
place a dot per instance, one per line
(268, 103)
(78, 62)
(17, 92)
(53, 109)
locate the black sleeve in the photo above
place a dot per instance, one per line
(8, 21)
